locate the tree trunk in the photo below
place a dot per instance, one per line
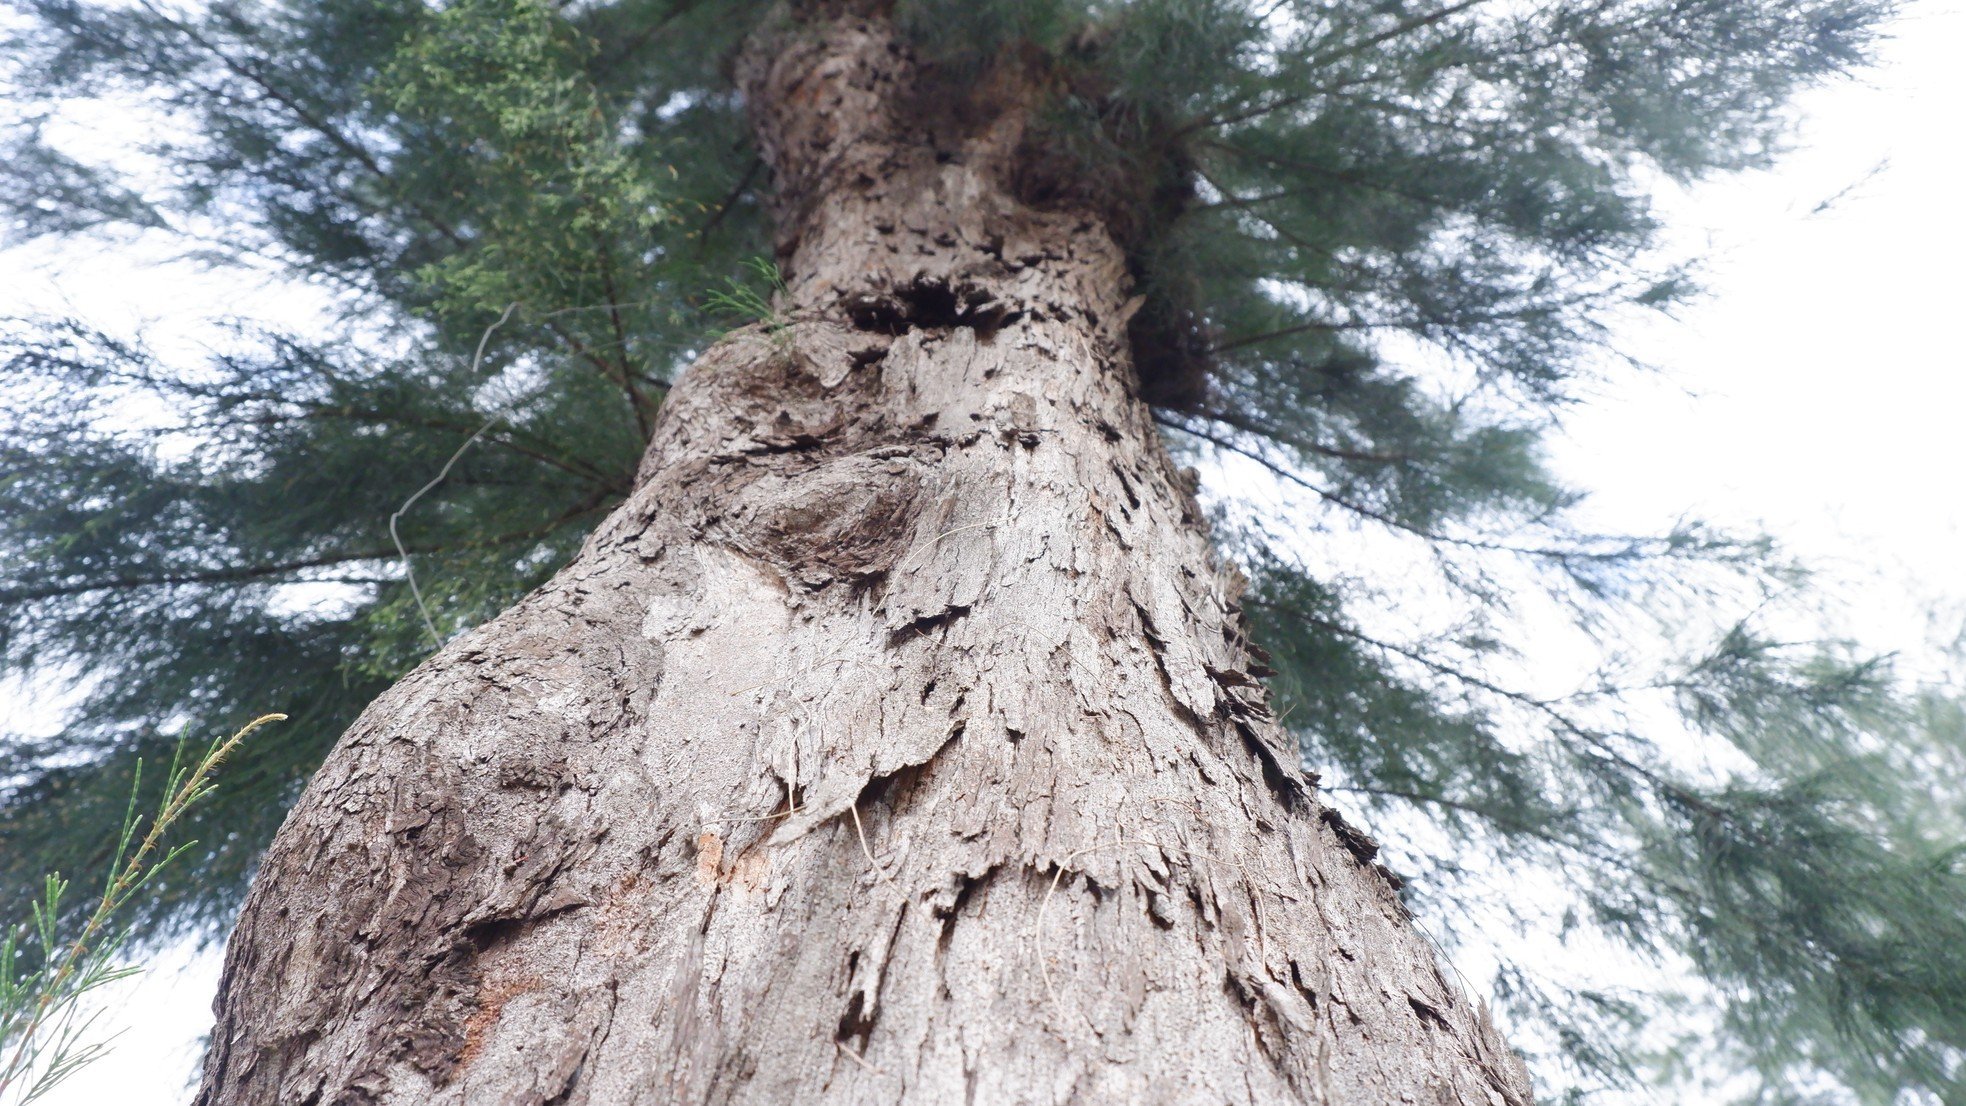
(896, 741)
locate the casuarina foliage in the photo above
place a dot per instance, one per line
(1380, 247)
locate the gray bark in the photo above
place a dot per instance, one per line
(895, 742)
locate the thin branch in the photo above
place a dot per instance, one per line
(1230, 418)
(1301, 328)
(1562, 722)
(627, 48)
(1405, 27)
(402, 554)
(1630, 545)
(1516, 826)
(737, 191)
(238, 574)
(1281, 162)
(409, 570)
(351, 148)
(1281, 232)
(1325, 494)
(244, 573)
(312, 121)
(636, 403)
(326, 411)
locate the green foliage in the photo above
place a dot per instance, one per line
(560, 204)
(746, 301)
(47, 970)
(1815, 884)
(1823, 889)
(227, 548)
(1382, 246)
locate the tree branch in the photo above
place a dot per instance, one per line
(1630, 545)
(1282, 103)
(244, 573)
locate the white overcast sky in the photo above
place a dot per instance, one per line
(1819, 391)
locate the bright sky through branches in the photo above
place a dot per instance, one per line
(1817, 391)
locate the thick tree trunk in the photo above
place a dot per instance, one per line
(894, 742)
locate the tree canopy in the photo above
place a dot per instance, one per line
(1382, 247)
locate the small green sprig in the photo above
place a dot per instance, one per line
(44, 974)
(743, 300)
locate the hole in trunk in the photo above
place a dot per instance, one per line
(856, 1022)
(930, 305)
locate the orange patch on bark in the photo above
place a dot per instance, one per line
(709, 857)
(747, 873)
(492, 998)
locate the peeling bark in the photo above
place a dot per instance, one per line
(896, 741)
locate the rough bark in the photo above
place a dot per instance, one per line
(896, 741)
